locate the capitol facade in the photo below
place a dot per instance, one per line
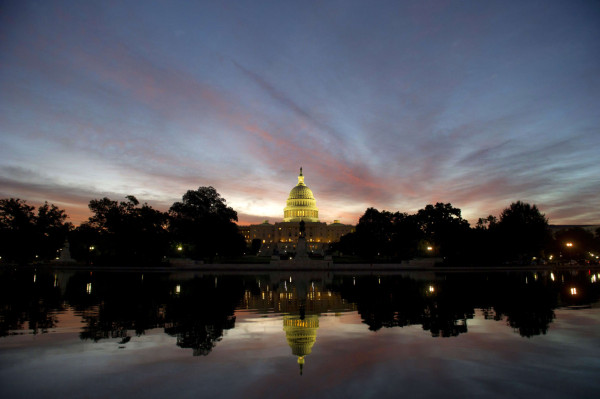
(282, 237)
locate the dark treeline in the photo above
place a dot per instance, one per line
(520, 235)
(200, 226)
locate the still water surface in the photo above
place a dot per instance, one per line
(295, 335)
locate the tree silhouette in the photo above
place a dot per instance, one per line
(26, 236)
(122, 232)
(523, 232)
(205, 225)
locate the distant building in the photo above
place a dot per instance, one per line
(282, 237)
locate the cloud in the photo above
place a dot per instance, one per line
(393, 107)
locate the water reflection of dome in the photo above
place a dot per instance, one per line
(301, 334)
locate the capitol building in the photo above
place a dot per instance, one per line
(282, 237)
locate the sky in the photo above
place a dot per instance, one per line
(392, 105)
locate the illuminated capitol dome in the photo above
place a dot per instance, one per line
(281, 238)
(301, 204)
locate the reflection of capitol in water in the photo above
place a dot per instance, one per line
(302, 299)
(295, 292)
(301, 334)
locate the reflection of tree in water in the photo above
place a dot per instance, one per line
(28, 297)
(444, 304)
(195, 311)
(200, 312)
(111, 304)
(528, 307)
(400, 301)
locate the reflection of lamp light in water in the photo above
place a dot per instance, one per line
(88, 288)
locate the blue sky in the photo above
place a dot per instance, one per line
(393, 105)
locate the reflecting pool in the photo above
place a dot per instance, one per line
(299, 334)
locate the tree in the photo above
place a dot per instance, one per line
(488, 223)
(523, 232)
(374, 232)
(17, 230)
(204, 223)
(406, 235)
(25, 236)
(52, 230)
(255, 246)
(382, 234)
(444, 227)
(122, 232)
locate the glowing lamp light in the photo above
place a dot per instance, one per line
(552, 276)
(573, 291)
(88, 288)
(180, 248)
(178, 289)
(431, 288)
(569, 244)
(92, 248)
(430, 248)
